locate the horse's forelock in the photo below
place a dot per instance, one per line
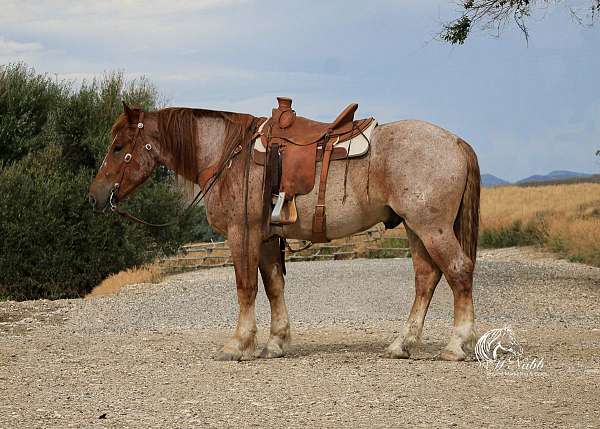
(121, 122)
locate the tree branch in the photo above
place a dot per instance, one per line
(495, 14)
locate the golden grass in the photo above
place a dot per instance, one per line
(113, 284)
(568, 216)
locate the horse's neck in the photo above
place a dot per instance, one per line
(210, 141)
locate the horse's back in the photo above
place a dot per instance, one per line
(415, 142)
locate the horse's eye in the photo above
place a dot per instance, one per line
(117, 148)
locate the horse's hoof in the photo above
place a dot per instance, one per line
(228, 356)
(396, 354)
(451, 356)
(271, 352)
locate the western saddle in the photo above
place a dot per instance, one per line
(293, 146)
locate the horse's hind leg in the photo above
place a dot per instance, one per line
(272, 276)
(446, 252)
(427, 276)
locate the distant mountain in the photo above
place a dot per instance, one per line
(553, 176)
(559, 176)
(489, 181)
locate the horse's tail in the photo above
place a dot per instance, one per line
(466, 225)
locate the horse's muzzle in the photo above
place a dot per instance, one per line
(98, 200)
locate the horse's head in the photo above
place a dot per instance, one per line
(130, 160)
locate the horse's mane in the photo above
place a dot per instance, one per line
(179, 135)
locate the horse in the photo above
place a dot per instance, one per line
(415, 173)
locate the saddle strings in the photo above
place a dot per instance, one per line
(348, 162)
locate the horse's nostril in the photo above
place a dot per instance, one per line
(92, 200)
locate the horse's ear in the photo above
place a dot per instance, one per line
(128, 112)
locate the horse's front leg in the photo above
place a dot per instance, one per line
(272, 275)
(245, 254)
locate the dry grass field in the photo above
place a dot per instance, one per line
(562, 218)
(151, 273)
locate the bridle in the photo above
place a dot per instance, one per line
(127, 158)
(207, 177)
(113, 198)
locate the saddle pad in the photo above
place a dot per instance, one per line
(358, 146)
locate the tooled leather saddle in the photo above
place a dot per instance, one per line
(292, 147)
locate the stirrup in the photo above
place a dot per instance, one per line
(276, 214)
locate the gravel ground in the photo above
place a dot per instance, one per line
(143, 358)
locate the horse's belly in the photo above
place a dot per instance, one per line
(349, 208)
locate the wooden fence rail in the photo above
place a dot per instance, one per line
(373, 243)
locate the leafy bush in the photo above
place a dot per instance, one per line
(26, 102)
(54, 246)
(516, 234)
(52, 138)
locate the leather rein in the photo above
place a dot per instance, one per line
(207, 177)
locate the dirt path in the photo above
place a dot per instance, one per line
(143, 358)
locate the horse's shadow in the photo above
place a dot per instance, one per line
(376, 348)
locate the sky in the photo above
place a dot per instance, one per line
(526, 108)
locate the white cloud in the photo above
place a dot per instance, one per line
(130, 22)
(205, 73)
(18, 11)
(12, 47)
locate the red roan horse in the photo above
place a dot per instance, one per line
(415, 173)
